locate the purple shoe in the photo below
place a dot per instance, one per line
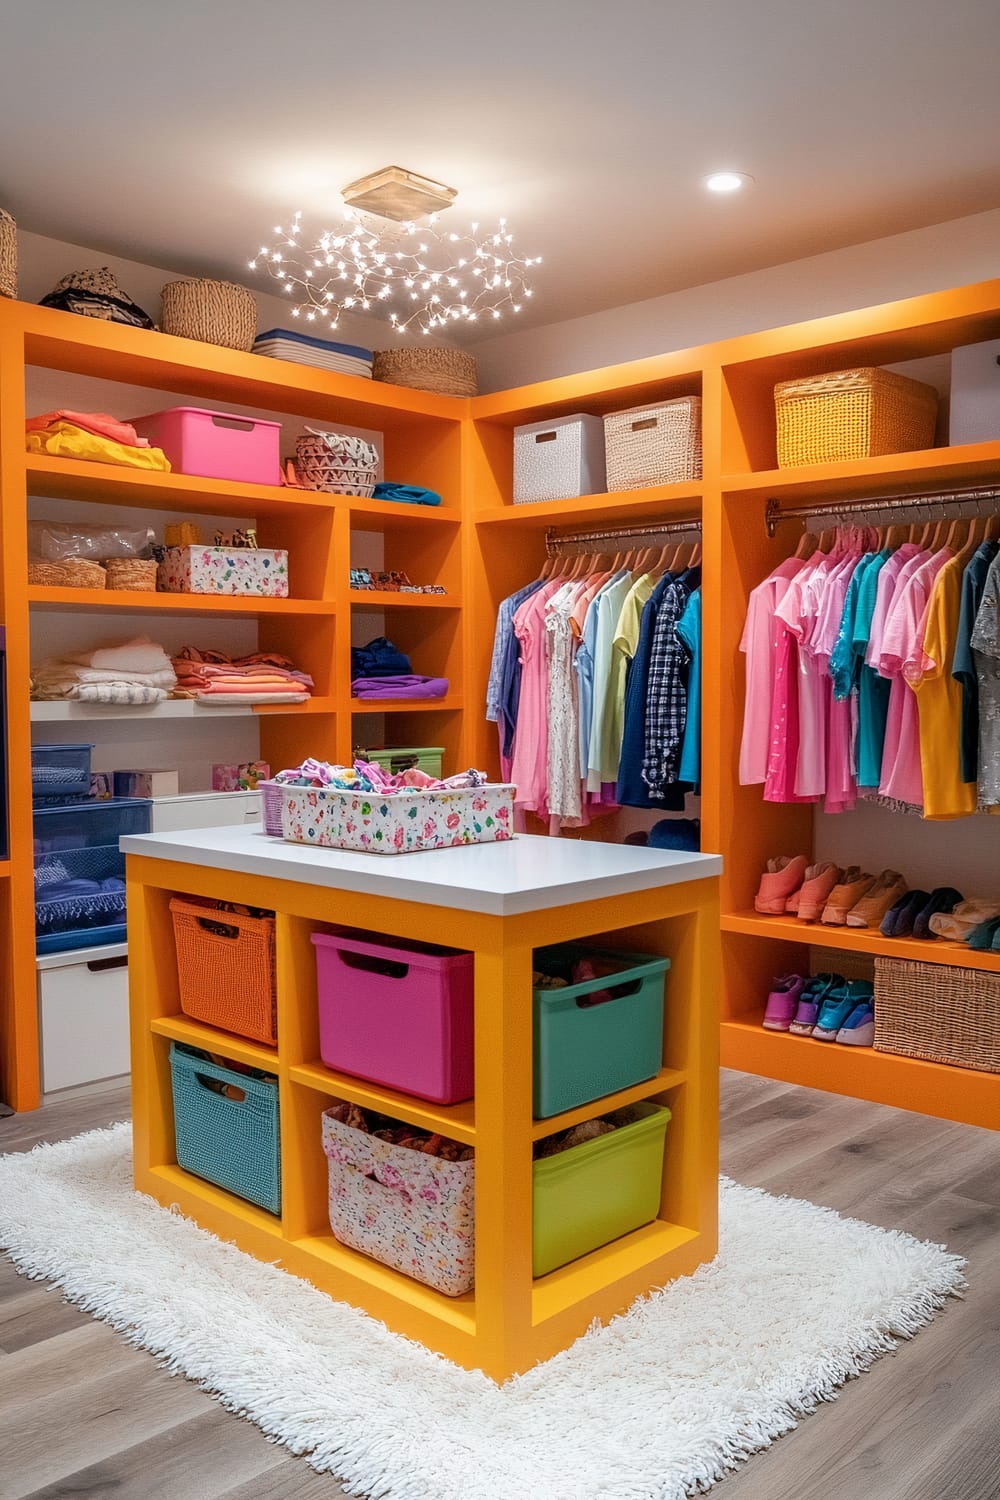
(783, 1002)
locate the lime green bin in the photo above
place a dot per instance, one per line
(594, 1193)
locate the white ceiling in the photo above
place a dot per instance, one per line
(178, 134)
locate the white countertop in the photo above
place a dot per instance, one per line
(526, 873)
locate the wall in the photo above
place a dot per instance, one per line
(903, 265)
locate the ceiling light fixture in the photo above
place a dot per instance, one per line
(437, 275)
(726, 182)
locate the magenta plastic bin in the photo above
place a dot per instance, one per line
(397, 1013)
(215, 444)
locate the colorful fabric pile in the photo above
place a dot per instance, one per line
(135, 672)
(383, 1128)
(366, 776)
(214, 678)
(94, 436)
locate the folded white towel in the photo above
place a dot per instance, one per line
(140, 655)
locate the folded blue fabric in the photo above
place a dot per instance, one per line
(354, 351)
(406, 494)
(380, 658)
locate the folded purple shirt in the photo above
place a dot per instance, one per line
(404, 686)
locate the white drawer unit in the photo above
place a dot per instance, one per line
(83, 1015)
(205, 810)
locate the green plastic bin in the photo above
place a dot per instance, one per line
(425, 757)
(597, 1192)
(585, 1051)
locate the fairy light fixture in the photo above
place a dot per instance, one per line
(392, 247)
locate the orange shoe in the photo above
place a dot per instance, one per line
(780, 880)
(872, 907)
(846, 894)
(808, 902)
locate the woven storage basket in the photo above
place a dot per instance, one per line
(271, 802)
(447, 372)
(852, 414)
(225, 969)
(8, 255)
(322, 463)
(131, 573)
(216, 312)
(76, 573)
(649, 445)
(938, 1013)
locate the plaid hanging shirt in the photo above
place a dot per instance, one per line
(666, 693)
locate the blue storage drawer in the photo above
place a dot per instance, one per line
(80, 871)
(234, 1143)
(60, 770)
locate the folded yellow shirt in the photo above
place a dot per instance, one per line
(63, 440)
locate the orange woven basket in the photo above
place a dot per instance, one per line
(226, 970)
(852, 414)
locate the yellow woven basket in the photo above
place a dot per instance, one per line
(852, 414)
(938, 1013)
(75, 573)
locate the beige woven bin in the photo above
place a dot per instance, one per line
(938, 1013)
(852, 414)
(75, 573)
(216, 312)
(649, 445)
(446, 372)
(131, 573)
(8, 255)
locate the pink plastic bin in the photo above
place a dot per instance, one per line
(397, 1013)
(215, 444)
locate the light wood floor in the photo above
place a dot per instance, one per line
(82, 1414)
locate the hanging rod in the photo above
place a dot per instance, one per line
(774, 513)
(559, 541)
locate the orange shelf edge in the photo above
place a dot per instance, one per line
(200, 604)
(861, 940)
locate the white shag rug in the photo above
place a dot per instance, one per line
(660, 1404)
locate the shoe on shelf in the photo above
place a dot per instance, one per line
(783, 1001)
(944, 899)
(859, 1028)
(853, 884)
(869, 911)
(838, 1005)
(815, 992)
(957, 925)
(983, 937)
(898, 920)
(809, 900)
(782, 876)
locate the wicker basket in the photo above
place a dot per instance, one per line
(649, 445)
(75, 573)
(131, 573)
(216, 312)
(335, 463)
(852, 414)
(447, 372)
(8, 255)
(938, 1013)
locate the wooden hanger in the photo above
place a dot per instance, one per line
(895, 536)
(694, 561)
(992, 532)
(807, 545)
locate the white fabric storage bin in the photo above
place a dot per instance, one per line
(558, 460)
(205, 810)
(975, 393)
(83, 1016)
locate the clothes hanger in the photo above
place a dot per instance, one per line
(548, 569)
(694, 560)
(938, 535)
(806, 546)
(895, 536)
(992, 532)
(827, 540)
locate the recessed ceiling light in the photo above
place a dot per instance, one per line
(726, 182)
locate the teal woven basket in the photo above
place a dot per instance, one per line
(585, 1050)
(233, 1143)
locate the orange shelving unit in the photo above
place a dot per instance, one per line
(480, 547)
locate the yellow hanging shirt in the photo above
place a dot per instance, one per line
(939, 702)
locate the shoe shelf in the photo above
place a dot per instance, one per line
(861, 940)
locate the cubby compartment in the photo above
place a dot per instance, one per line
(226, 967)
(227, 1127)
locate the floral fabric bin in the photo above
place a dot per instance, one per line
(259, 571)
(413, 1212)
(398, 824)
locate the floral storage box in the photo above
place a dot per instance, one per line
(259, 571)
(413, 1212)
(398, 824)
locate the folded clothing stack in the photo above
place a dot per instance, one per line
(381, 670)
(135, 672)
(213, 677)
(324, 354)
(93, 436)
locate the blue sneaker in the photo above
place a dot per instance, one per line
(838, 1005)
(859, 1028)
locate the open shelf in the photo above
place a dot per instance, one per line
(189, 1188)
(142, 602)
(454, 1120)
(67, 711)
(940, 1089)
(861, 940)
(372, 599)
(211, 1039)
(902, 472)
(634, 506)
(667, 1078)
(458, 1311)
(569, 1285)
(452, 702)
(112, 484)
